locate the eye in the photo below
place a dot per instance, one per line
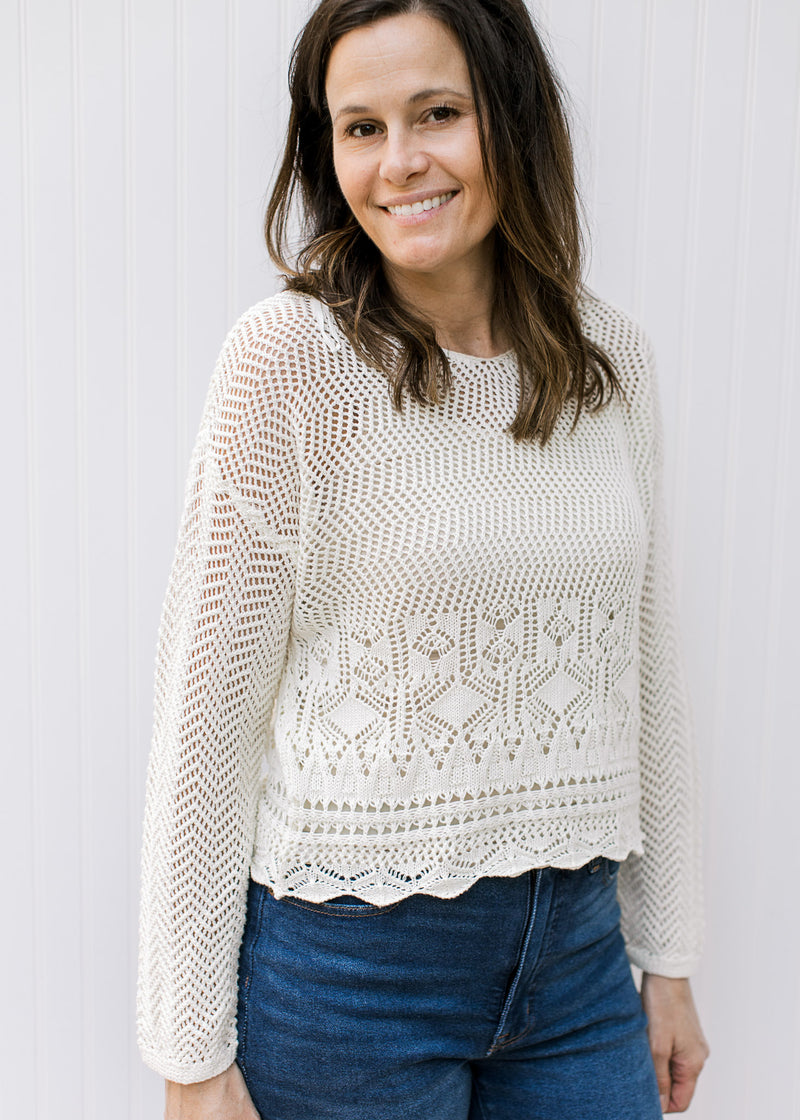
(361, 130)
(443, 112)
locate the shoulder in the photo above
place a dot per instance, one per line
(257, 373)
(277, 325)
(623, 339)
(275, 346)
(628, 346)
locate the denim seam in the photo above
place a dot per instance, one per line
(245, 986)
(531, 921)
(553, 914)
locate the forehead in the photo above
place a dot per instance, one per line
(399, 55)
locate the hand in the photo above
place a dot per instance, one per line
(224, 1097)
(676, 1040)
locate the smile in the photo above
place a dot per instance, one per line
(407, 209)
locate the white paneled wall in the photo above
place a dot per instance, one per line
(138, 140)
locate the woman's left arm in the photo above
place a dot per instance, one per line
(660, 888)
(677, 1043)
(660, 891)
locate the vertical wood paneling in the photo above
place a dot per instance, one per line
(34, 864)
(132, 724)
(720, 790)
(785, 546)
(143, 137)
(726, 623)
(207, 257)
(595, 77)
(85, 803)
(620, 171)
(181, 248)
(642, 211)
(20, 932)
(689, 290)
(735, 388)
(775, 183)
(232, 156)
(56, 612)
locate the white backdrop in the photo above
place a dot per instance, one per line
(138, 138)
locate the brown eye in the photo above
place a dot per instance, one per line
(362, 131)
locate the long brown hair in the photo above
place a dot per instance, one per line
(528, 162)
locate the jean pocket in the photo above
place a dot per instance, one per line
(344, 906)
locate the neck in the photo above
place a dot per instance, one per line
(458, 305)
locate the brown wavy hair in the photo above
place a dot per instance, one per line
(528, 162)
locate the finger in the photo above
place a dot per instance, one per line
(684, 1082)
(681, 1094)
(663, 1077)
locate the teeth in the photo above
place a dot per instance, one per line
(406, 210)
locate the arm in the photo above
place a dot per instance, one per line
(660, 893)
(660, 890)
(222, 645)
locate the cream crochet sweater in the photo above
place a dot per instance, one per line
(399, 652)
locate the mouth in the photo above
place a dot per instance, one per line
(421, 206)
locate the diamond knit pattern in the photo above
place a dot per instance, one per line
(400, 651)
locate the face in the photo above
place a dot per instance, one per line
(406, 147)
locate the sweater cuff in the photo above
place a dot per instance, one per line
(675, 968)
(188, 1074)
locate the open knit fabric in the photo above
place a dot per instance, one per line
(400, 651)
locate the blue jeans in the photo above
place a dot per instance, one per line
(513, 1001)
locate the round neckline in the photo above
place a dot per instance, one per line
(455, 356)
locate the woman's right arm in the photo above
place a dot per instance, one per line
(222, 646)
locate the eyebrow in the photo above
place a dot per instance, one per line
(423, 95)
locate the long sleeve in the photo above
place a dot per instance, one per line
(660, 890)
(222, 646)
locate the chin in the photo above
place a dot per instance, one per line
(420, 262)
(423, 267)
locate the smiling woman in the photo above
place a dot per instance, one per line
(420, 716)
(470, 83)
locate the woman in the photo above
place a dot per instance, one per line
(422, 581)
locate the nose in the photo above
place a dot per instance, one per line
(402, 157)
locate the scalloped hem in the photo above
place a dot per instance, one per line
(319, 869)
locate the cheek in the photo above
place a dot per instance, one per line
(470, 167)
(353, 180)
(484, 208)
(481, 189)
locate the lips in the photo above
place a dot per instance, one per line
(419, 206)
